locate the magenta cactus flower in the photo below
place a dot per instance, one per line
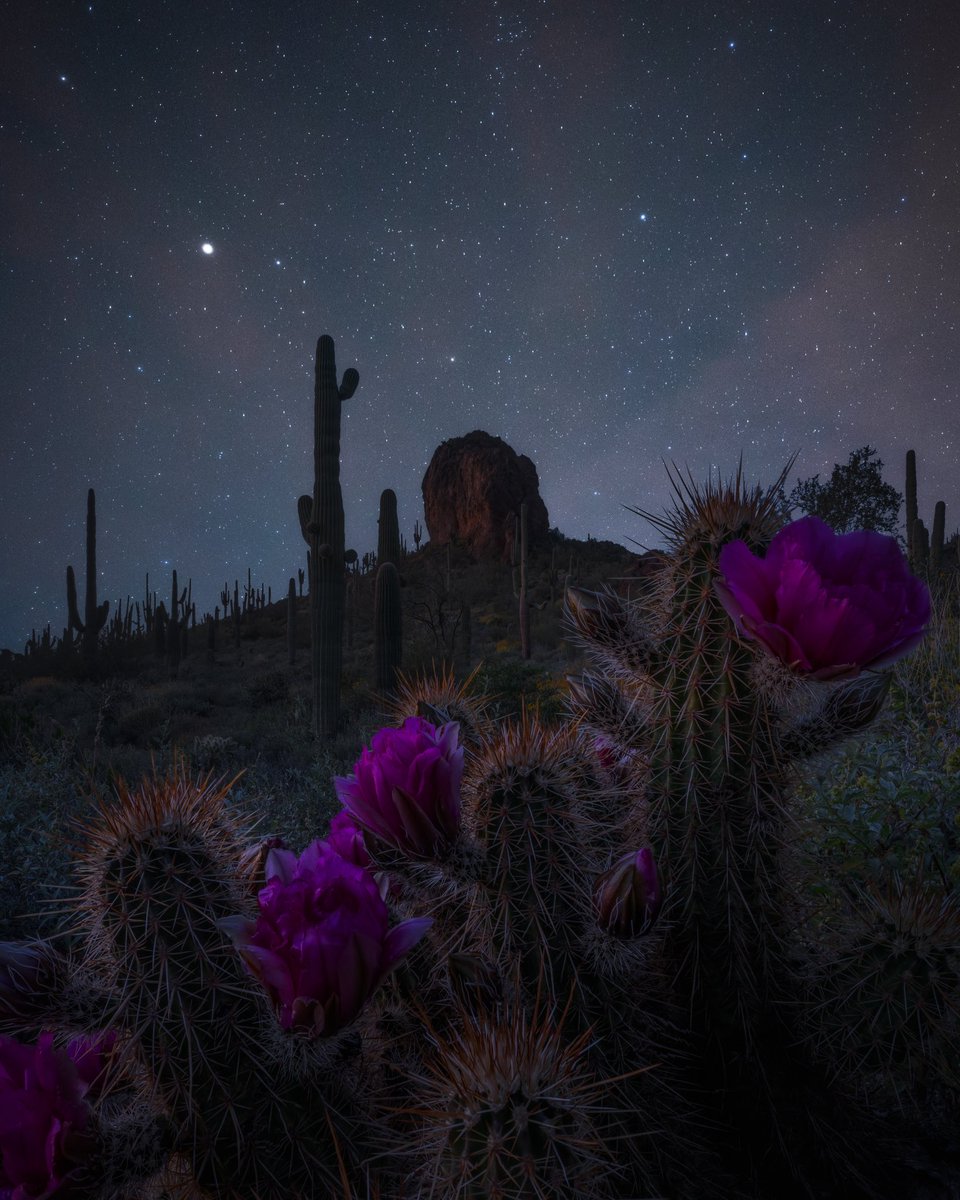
(627, 897)
(321, 945)
(45, 1111)
(828, 605)
(347, 839)
(406, 788)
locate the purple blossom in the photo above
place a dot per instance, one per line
(406, 788)
(347, 839)
(828, 605)
(45, 1114)
(321, 945)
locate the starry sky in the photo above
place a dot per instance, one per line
(610, 233)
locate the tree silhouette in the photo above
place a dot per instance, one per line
(855, 497)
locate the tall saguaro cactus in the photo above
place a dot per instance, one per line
(388, 537)
(321, 522)
(387, 628)
(911, 500)
(95, 615)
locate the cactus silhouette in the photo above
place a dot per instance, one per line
(387, 628)
(321, 522)
(388, 529)
(95, 615)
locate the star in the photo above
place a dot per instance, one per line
(207, 248)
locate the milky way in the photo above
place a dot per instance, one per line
(610, 233)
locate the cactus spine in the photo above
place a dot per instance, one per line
(388, 628)
(321, 523)
(95, 616)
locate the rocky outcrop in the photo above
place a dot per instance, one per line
(473, 486)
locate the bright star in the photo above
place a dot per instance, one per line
(207, 248)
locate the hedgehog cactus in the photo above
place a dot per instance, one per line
(510, 875)
(511, 1110)
(885, 991)
(718, 711)
(628, 869)
(257, 1109)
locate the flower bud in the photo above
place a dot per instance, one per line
(627, 897)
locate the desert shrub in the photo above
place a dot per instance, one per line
(141, 725)
(17, 729)
(270, 688)
(36, 801)
(213, 752)
(890, 802)
(518, 683)
(880, 814)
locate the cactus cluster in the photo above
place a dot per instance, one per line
(929, 554)
(596, 982)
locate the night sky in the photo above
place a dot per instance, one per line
(608, 232)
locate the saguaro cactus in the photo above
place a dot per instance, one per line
(911, 500)
(321, 522)
(292, 621)
(388, 536)
(388, 628)
(95, 615)
(936, 538)
(175, 627)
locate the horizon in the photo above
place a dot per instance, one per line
(610, 236)
(163, 581)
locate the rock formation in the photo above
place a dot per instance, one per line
(473, 486)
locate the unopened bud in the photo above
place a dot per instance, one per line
(627, 897)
